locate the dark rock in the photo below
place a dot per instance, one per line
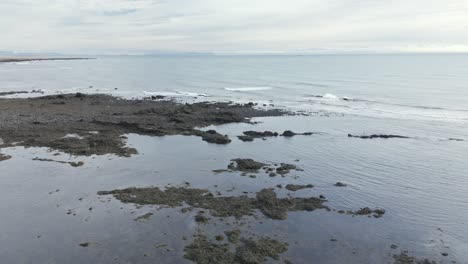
(258, 134)
(246, 165)
(112, 117)
(200, 218)
(13, 92)
(251, 135)
(4, 157)
(285, 168)
(377, 213)
(288, 133)
(377, 136)
(246, 138)
(295, 187)
(266, 201)
(211, 136)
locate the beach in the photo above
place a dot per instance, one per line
(104, 176)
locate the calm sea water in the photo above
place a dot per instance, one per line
(421, 182)
(397, 86)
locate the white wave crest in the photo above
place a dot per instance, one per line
(21, 63)
(247, 89)
(176, 93)
(191, 94)
(330, 96)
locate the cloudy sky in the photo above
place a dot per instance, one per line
(234, 26)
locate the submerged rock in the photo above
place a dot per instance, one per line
(285, 168)
(211, 136)
(248, 251)
(256, 251)
(200, 218)
(258, 134)
(295, 187)
(246, 138)
(233, 235)
(4, 157)
(340, 184)
(377, 213)
(251, 135)
(404, 258)
(289, 133)
(202, 251)
(251, 166)
(245, 165)
(377, 136)
(73, 164)
(266, 201)
(143, 217)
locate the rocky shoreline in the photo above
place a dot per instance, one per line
(85, 125)
(18, 59)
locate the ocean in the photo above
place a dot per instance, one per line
(420, 181)
(431, 87)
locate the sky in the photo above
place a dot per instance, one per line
(233, 26)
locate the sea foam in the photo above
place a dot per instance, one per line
(247, 89)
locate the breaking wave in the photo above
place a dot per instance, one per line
(247, 89)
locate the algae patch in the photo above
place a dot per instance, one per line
(266, 201)
(404, 258)
(245, 165)
(377, 213)
(251, 166)
(247, 251)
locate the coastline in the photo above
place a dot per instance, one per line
(17, 59)
(89, 126)
(99, 121)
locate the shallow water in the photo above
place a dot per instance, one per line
(420, 182)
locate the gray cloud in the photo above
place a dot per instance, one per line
(233, 26)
